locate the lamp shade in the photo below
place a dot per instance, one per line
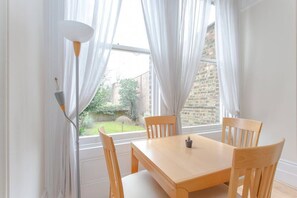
(60, 99)
(76, 31)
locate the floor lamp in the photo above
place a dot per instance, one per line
(77, 33)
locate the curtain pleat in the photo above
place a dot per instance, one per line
(227, 54)
(102, 15)
(176, 32)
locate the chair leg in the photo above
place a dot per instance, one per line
(110, 195)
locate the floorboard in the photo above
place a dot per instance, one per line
(281, 190)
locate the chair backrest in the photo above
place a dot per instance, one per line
(241, 132)
(257, 165)
(115, 179)
(160, 126)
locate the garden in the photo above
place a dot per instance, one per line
(119, 117)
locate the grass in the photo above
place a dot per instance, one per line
(111, 127)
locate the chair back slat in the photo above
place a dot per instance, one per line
(256, 182)
(241, 132)
(229, 135)
(251, 137)
(239, 141)
(246, 183)
(115, 179)
(246, 137)
(160, 126)
(257, 165)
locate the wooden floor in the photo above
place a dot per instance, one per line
(283, 191)
(280, 190)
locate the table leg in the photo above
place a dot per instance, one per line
(134, 162)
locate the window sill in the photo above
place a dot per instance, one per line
(118, 138)
(87, 142)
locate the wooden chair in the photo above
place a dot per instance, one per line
(137, 185)
(241, 132)
(160, 126)
(257, 165)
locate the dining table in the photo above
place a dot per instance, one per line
(180, 170)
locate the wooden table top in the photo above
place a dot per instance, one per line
(181, 164)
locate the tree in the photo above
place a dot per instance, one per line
(98, 103)
(100, 99)
(128, 93)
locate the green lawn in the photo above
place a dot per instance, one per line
(111, 127)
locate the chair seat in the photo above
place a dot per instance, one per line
(142, 185)
(219, 191)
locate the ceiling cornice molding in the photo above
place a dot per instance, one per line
(245, 4)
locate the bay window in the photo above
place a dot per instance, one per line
(126, 93)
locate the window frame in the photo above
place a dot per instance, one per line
(88, 142)
(211, 130)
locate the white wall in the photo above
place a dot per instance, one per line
(3, 98)
(25, 22)
(269, 72)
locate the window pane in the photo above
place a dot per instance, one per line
(209, 51)
(203, 104)
(124, 64)
(131, 28)
(123, 98)
(211, 15)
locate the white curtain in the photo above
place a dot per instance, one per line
(102, 15)
(176, 32)
(227, 54)
(54, 120)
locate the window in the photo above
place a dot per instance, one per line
(203, 104)
(124, 96)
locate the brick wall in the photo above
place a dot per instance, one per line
(203, 104)
(143, 103)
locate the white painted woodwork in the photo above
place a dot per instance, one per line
(94, 176)
(3, 99)
(287, 173)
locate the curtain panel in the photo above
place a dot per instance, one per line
(102, 15)
(176, 32)
(53, 117)
(227, 54)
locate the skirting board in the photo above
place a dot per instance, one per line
(286, 173)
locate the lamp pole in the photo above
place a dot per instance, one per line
(76, 46)
(77, 33)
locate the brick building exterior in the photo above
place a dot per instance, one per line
(203, 104)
